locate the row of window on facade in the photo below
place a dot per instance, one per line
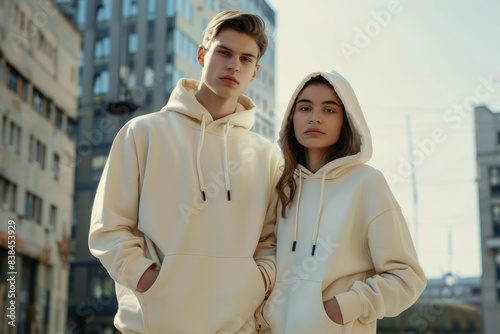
(130, 8)
(11, 137)
(30, 31)
(33, 204)
(40, 103)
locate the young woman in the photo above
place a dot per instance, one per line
(345, 256)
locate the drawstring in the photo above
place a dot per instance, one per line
(226, 173)
(297, 212)
(198, 159)
(318, 216)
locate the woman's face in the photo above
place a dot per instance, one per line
(318, 117)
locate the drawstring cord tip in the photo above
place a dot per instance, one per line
(314, 249)
(203, 194)
(293, 247)
(229, 195)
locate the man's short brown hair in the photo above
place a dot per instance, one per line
(246, 23)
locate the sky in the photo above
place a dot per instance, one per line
(418, 69)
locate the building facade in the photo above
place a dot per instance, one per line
(133, 53)
(38, 113)
(487, 128)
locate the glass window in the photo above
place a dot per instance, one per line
(152, 9)
(132, 43)
(9, 194)
(82, 9)
(171, 8)
(33, 207)
(53, 216)
(104, 11)
(56, 161)
(494, 178)
(59, 118)
(129, 8)
(38, 101)
(101, 83)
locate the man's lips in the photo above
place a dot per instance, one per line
(230, 78)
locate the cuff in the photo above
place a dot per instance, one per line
(350, 305)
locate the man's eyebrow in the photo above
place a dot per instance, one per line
(324, 102)
(228, 49)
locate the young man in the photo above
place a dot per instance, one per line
(184, 215)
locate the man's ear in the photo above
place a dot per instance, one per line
(257, 67)
(201, 55)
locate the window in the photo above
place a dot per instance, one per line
(9, 194)
(59, 118)
(132, 43)
(37, 152)
(53, 216)
(104, 11)
(39, 102)
(151, 9)
(497, 263)
(33, 207)
(11, 134)
(129, 8)
(495, 181)
(56, 166)
(15, 136)
(495, 219)
(80, 16)
(71, 128)
(102, 47)
(101, 83)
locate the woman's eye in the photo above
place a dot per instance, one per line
(328, 110)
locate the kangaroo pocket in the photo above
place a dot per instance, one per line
(296, 307)
(196, 294)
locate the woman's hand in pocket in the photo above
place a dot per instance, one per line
(147, 279)
(332, 308)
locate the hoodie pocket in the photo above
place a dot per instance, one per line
(199, 294)
(296, 307)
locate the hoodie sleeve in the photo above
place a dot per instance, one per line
(113, 236)
(265, 254)
(398, 281)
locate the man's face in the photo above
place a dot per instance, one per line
(229, 64)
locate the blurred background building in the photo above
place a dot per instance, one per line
(487, 127)
(38, 110)
(132, 55)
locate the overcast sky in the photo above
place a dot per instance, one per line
(418, 65)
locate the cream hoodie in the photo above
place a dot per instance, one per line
(346, 215)
(149, 208)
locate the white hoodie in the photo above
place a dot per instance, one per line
(364, 255)
(149, 208)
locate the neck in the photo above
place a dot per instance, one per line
(218, 106)
(315, 159)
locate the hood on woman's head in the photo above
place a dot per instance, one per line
(361, 142)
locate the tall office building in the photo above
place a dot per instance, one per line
(488, 163)
(133, 53)
(38, 112)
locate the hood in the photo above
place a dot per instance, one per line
(357, 122)
(183, 101)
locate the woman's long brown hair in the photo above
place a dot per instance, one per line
(294, 153)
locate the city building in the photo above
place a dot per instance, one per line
(38, 112)
(487, 128)
(132, 55)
